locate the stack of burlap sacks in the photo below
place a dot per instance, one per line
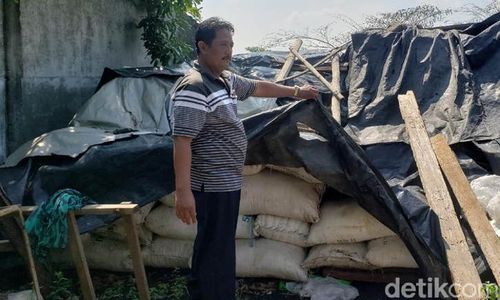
(283, 231)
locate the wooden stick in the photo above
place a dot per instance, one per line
(14, 211)
(79, 259)
(474, 213)
(31, 261)
(287, 66)
(317, 74)
(96, 209)
(135, 251)
(8, 210)
(460, 262)
(335, 105)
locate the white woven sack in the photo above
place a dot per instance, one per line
(277, 194)
(116, 230)
(300, 173)
(344, 221)
(282, 229)
(390, 252)
(346, 256)
(168, 253)
(163, 221)
(105, 254)
(252, 169)
(267, 258)
(168, 200)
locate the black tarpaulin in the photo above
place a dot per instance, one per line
(454, 76)
(301, 134)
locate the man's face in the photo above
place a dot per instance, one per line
(218, 54)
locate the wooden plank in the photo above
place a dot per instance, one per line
(12, 230)
(31, 261)
(79, 259)
(460, 262)
(96, 209)
(317, 74)
(474, 213)
(287, 66)
(335, 105)
(135, 251)
(8, 210)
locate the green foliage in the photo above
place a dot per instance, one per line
(165, 28)
(174, 289)
(491, 290)
(123, 289)
(62, 288)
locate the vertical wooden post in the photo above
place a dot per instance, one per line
(135, 251)
(460, 262)
(31, 261)
(79, 259)
(474, 213)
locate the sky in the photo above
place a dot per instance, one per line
(254, 20)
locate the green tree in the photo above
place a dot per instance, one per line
(166, 26)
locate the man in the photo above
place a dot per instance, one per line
(209, 153)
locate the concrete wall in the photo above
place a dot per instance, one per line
(64, 47)
(3, 121)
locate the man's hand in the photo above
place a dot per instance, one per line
(185, 207)
(308, 92)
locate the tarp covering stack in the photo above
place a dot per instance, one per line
(454, 74)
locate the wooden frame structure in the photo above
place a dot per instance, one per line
(14, 211)
(126, 210)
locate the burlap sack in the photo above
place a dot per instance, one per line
(163, 221)
(300, 173)
(251, 169)
(343, 222)
(106, 254)
(168, 200)
(282, 229)
(277, 194)
(116, 230)
(168, 253)
(347, 256)
(390, 252)
(267, 258)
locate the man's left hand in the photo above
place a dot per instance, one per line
(308, 92)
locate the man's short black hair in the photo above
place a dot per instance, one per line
(207, 30)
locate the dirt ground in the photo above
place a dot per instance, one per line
(164, 284)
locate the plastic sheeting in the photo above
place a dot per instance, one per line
(301, 134)
(454, 76)
(127, 103)
(130, 159)
(121, 108)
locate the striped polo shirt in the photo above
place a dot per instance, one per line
(204, 108)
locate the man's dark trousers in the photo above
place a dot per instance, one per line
(214, 261)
